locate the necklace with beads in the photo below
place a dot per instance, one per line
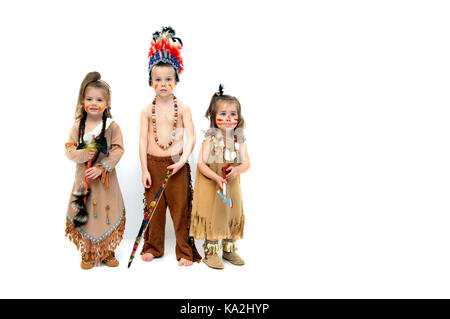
(175, 119)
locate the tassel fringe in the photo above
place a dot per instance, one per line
(105, 177)
(95, 252)
(200, 229)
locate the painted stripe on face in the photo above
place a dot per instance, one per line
(100, 107)
(155, 86)
(171, 86)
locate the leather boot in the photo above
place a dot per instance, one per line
(86, 262)
(212, 255)
(233, 258)
(111, 260)
(213, 261)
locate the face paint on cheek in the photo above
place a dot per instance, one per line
(86, 108)
(155, 86)
(100, 107)
(235, 121)
(171, 86)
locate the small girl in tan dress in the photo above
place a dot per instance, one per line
(96, 214)
(217, 211)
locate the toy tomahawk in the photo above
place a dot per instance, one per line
(81, 218)
(148, 214)
(223, 195)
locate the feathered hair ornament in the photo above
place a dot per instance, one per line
(220, 92)
(166, 48)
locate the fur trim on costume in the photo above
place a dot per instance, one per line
(217, 133)
(78, 205)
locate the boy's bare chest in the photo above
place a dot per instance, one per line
(165, 116)
(161, 128)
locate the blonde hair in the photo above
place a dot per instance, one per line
(92, 79)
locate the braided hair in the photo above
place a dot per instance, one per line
(92, 79)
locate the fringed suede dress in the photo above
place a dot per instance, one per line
(106, 221)
(212, 218)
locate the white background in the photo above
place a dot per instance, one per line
(346, 104)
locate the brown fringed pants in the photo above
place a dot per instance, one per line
(177, 196)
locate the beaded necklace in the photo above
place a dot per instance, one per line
(175, 119)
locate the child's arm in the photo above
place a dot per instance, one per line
(234, 171)
(190, 132)
(204, 169)
(143, 140)
(78, 156)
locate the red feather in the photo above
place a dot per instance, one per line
(164, 44)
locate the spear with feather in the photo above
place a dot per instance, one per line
(148, 214)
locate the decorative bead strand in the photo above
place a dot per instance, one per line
(107, 215)
(95, 209)
(175, 119)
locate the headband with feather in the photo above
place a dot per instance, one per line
(166, 48)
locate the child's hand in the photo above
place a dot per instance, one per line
(220, 181)
(232, 172)
(93, 172)
(146, 180)
(175, 167)
(91, 154)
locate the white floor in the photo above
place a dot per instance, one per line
(286, 272)
(62, 277)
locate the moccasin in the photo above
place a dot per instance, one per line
(233, 258)
(213, 261)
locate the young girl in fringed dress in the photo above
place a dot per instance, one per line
(96, 214)
(217, 209)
